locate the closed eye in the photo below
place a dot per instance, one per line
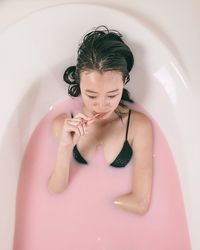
(93, 97)
(112, 96)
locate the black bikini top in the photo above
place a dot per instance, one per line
(120, 161)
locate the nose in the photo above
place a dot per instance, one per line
(102, 104)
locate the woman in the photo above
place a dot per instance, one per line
(103, 65)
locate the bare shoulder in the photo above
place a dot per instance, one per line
(139, 118)
(140, 125)
(57, 124)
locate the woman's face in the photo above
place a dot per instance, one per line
(101, 92)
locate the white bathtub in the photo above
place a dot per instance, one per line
(34, 54)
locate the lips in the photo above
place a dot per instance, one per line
(95, 116)
(100, 114)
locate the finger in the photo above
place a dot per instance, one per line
(84, 118)
(81, 115)
(80, 127)
(74, 122)
(91, 121)
(81, 121)
(78, 131)
(72, 128)
(77, 120)
(85, 129)
(93, 118)
(77, 123)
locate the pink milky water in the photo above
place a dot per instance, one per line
(84, 217)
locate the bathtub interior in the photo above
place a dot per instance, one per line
(34, 54)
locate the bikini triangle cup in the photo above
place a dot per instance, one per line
(122, 158)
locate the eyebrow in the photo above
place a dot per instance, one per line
(91, 91)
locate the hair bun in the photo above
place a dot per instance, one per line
(69, 75)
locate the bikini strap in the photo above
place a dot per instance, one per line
(129, 114)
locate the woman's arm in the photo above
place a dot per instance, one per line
(68, 131)
(138, 201)
(59, 178)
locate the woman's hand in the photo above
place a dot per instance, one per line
(75, 127)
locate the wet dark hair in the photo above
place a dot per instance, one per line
(101, 50)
